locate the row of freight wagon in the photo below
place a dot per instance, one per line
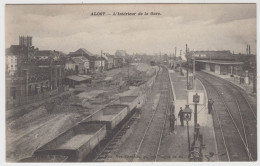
(76, 143)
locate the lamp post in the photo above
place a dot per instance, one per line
(187, 74)
(187, 117)
(196, 99)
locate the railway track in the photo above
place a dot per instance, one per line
(234, 120)
(112, 143)
(149, 145)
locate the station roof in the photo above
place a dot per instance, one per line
(220, 62)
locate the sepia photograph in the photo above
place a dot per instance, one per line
(133, 82)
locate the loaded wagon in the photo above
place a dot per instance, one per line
(76, 143)
(111, 116)
(131, 101)
(45, 158)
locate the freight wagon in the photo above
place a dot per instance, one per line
(131, 101)
(111, 116)
(45, 158)
(76, 142)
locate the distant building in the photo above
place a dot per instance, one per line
(88, 55)
(11, 64)
(46, 54)
(32, 74)
(37, 79)
(25, 41)
(110, 61)
(118, 61)
(17, 53)
(81, 64)
(100, 63)
(120, 53)
(70, 64)
(165, 58)
(210, 55)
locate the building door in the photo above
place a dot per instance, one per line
(35, 89)
(13, 92)
(77, 69)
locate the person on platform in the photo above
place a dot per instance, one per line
(210, 104)
(181, 116)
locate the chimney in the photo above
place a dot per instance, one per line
(249, 50)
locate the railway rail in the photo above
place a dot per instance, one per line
(149, 146)
(159, 116)
(104, 153)
(235, 123)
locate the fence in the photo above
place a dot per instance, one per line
(23, 100)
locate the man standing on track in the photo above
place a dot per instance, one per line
(210, 104)
(181, 116)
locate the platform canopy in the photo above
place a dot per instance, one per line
(220, 62)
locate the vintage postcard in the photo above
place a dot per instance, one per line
(130, 82)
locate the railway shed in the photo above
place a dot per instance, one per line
(219, 66)
(77, 79)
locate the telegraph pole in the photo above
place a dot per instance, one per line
(101, 61)
(194, 63)
(254, 74)
(160, 57)
(181, 61)
(175, 58)
(187, 68)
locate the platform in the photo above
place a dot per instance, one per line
(176, 145)
(247, 87)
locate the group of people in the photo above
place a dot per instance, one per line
(181, 114)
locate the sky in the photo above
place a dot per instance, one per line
(70, 27)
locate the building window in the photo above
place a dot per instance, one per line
(30, 89)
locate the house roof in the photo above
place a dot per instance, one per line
(220, 62)
(20, 50)
(78, 78)
(212, 54)
(15, 50)
(69, 61)
(110, 56)
(98, 58)
(83, 51)
(119, 56)
(48, 53)
(79, 59)
(85, 76)
(43, 53)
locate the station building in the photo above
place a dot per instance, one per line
(219, 62)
